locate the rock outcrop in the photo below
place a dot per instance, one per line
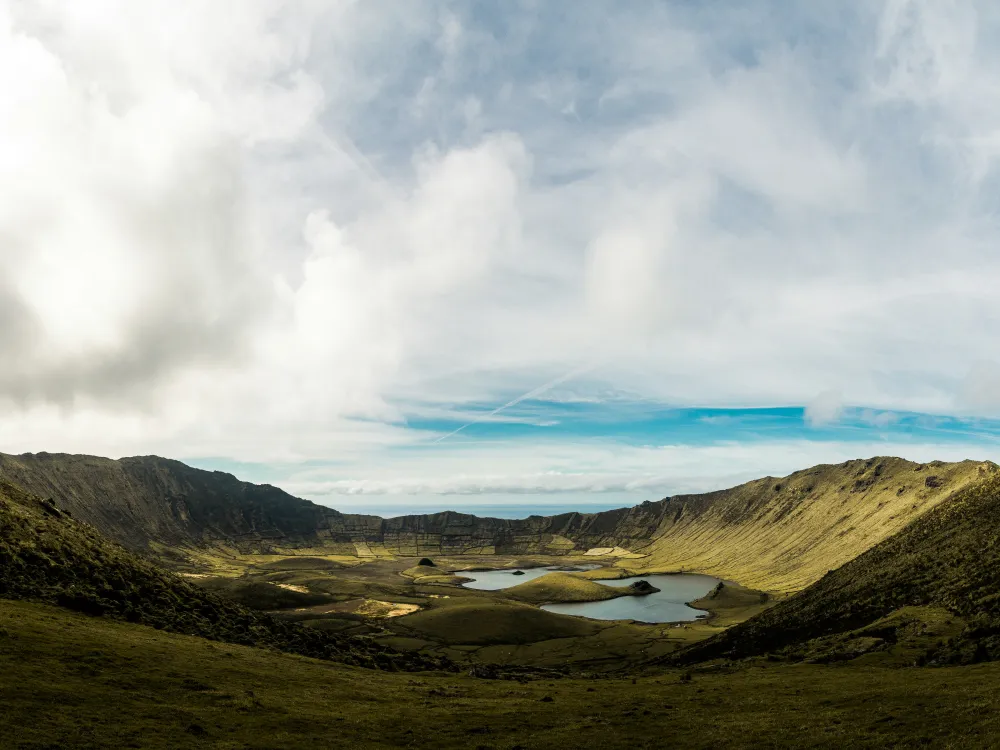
(641, 588)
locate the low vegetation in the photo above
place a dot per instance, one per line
(61, 674)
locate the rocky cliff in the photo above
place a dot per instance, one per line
(778, 534)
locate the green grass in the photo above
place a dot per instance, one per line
(68, 681)
(302, 563)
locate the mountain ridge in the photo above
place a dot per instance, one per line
(777, 534)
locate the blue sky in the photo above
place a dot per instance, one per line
(693, 243)
(594, 455)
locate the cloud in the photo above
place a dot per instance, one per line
(980, 389)
(129, 243)
(880, 419)
(277, 230)
(630, 473)
(825, 409)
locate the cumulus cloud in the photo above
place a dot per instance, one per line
(129, 247)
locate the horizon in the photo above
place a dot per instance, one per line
(514, 258)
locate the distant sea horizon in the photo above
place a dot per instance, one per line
(516, 508)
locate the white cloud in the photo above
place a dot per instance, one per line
(272, 230)
(634, 473)
(980, 392)
(825, 409)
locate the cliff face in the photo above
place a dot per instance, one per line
(138, 501)
(779, 534)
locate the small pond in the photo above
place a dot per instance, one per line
(494, 580)
(666, 605)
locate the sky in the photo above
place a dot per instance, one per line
(399, 256)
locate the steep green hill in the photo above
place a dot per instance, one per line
(947, 560)
(45, 555)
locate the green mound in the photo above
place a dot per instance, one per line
(485, 621)
(421, 571)
(302, 563)
(425, 574)
(730, 596)
(444, 578)
(261, 594)
(562, 587)
(47, 556)
(947, 559)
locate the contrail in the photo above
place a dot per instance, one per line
(530, 394)
(342, 144)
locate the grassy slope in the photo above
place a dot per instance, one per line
(73, 682)
(562, 587)
(948, 559)
(46, 555)
(784, 534)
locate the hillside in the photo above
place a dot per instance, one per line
(150, 500)
(784, 534)
(948, 560)
(47, 556)
(773, 534)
